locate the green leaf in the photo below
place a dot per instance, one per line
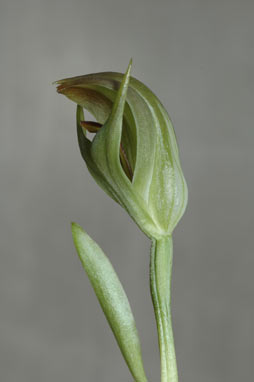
(112, 298)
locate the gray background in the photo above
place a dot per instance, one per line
(198, 57)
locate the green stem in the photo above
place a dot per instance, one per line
(160, 283)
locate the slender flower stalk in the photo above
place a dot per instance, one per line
(134, 157)
(160, 280)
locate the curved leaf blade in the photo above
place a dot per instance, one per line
(112, 299)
